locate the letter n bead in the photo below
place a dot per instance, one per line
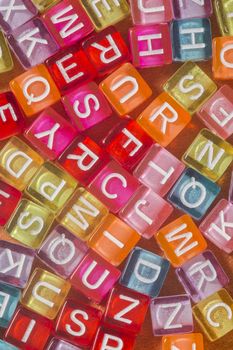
(193, 341)
(107, 338)
(222, 58)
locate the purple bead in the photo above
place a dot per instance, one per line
(32, 43)
(58, 344)
(171, 315)
(192, 9)
(230, 194)
(202, 276)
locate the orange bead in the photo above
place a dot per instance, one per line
(125, 89)
(113, 240)
(35, 90)
(183, 342)
(164, 119)
(181, 240)
(222, 58)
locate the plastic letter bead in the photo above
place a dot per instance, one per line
(109, 339)
(144, 272)
(171, 315)
(62, 251)
(9, 199)
(32, 43)
(222, 58)
(215, 315)
(35, 90)
(51, 186)
(86, 106)
(181, 240)
(163, 119)
(18, 163)
(68, 22)
(6, 346)
(183, 342)
(113, 186)
(125, 89)
(106, 50)
(202, 276)
(78, 323)
(218, 226)
(230, 194)
(159, 170)
(28, 330)
(43, 5)
(190, 86)
(193, 193)
(126, 310)
(58, 344)
(150, 12)
(94, 277)
(105, 13)
(50, 133)
(6, 62)
(113, 240)
(223, 11)
(9, 298)
(15, 264)
(151, 45)
(192, 9)
(30, 223)
(45, 293)
(146, 212)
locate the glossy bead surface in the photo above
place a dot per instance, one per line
(150, 11)
(107, 338)
(9, 199)
(6, 62)
(222, 58)
(230, 193)
(9, 298)
(223, 10)
(192, 9)
(183, 342)
(6, 346)
(43, 5)
(59, 344)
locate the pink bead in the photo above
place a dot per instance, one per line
(230, 194)
(146, 212)
(113, 186)
(151, 45)
(151, 11)
(159, 170)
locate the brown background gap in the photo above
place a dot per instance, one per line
(156, 77)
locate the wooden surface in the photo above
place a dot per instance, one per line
(156, 77)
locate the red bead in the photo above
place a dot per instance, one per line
(78, 323)
(107, 50)
(9, 199)
(106, 339)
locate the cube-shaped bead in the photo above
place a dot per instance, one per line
(150, 12)
(209, 154)
(94, 277)
(113, 240)
(190, 86)
(144, 272)
(202, 276)
(28, 330)
(222, 58)
(51, 186)
(146, 211)
(18, 163)
(62, 251)
(86, 106)
(106, 50)
(192, 9)
(43, 5)
(151, 45)
(78, 323)
(6, 62)
(6, 346)
(106, 338)
(32, 43)
(223, 11)
(164, 119)
(15, 264)
(10, 198)
(83, 214)
(45, 293)
(215, 315)
(230, 193)
(183, 342)
(171, 315)
(59, 344)
(106, 13)
(159, 170)
(50, 133)
(218, 226)
(181, 240)
(9, 298)
(30, 223)
(193, 193)
(126, 310)
(113, 186)
(35, 90)
(125, 89)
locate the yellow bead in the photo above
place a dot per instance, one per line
(30, 223)
(6, 62)
(43, 5)
(209, 154)
(106, 13)
(51, 186)
(215, 314)
(45, 293)
(83, 214)
(223, 9)
(18, 163)
(190, 87)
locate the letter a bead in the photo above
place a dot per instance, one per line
(222, 66)
(193, 341)
(150, 12)
(6, 62)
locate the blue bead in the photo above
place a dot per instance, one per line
(6, 346)
(193, 193)
(145, 272)
(191, 39)
(9, 298)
